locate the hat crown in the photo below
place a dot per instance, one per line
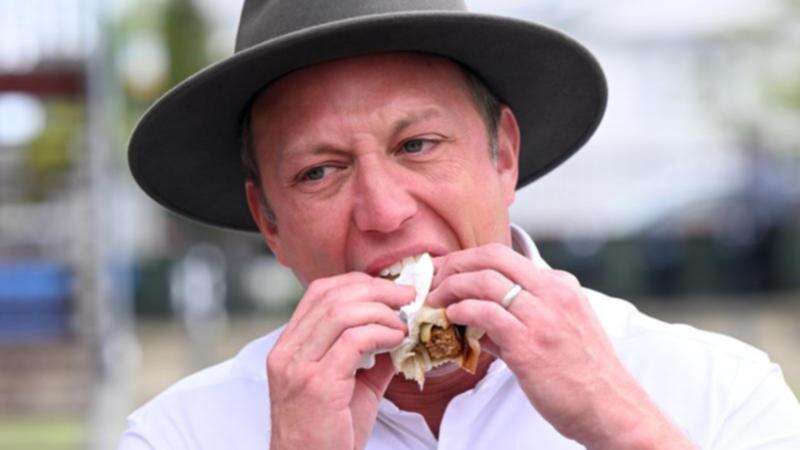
(262, 20)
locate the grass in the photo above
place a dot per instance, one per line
(41, 433)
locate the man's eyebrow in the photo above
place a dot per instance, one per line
(398, 126)
(315, 150)
(413, 118)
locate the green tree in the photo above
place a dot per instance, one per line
(185, 32)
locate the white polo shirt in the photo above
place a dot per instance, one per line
(722, 393)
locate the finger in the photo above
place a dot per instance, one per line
(320, 287)
(373, 290)
(378, 376)
(379, 289)
(564, 278)
(491, 256)
(540, 281)
(337, 319)
(500, 326)
(364, 404)
(484, 284)
(345, 355)
(489, 346)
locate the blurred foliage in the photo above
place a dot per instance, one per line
(176, 27)
(185, 32)
(784, 91)
(51, 154)
(770, 52)
(180, 32)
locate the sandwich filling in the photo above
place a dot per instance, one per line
(441, 342)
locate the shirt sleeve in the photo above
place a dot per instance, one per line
(134, 439)
(150, 428)
(764, 414)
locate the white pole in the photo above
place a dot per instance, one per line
(108, 307)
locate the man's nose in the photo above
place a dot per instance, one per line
(382, 200)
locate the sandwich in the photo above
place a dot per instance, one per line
(432, 340)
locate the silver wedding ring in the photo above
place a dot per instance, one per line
(510, 296)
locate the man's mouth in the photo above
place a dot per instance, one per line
(393, 271)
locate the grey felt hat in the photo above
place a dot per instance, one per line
(185, 151)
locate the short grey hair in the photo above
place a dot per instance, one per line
(487, 103)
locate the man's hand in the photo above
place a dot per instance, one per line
(553, 342)
(318, 397)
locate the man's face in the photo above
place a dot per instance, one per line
(371, 159)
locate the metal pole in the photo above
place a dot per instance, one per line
(108, 307)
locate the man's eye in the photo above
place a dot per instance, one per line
(315, 173)
(416, 145)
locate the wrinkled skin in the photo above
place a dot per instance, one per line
(370, 159)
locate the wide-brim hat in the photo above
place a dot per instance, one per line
(185, 151)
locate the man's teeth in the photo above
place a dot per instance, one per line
(396, 268)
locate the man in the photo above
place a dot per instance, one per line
(371, 132)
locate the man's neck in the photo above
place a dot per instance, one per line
(431, 401)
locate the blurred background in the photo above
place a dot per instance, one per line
(686, 201)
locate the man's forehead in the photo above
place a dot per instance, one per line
(315, 89)
(319, 78)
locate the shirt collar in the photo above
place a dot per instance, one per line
(522, 243)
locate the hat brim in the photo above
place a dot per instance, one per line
(185, 151)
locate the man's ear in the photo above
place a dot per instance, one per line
(268, 229)
(508, 142)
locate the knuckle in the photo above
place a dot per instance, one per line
(494, 313)
(452, 284)
(546, 338)
(577, 305)
(494, 249)
(563, 296)
(333, 315)
(490, 277)
(357, 276)
(275, 361)
(567, 277)
(350, 337)
(358, 290)
(446, 284)
(317, 286)
(448, 263)
(313, 387)
(497, 247)
(347, 292)
(485, 277)
(446, 259)
(398, 335)
(385, 313)
(548, 320)
(408, 292)
(381, 284)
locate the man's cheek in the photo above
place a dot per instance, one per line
(446, 172)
